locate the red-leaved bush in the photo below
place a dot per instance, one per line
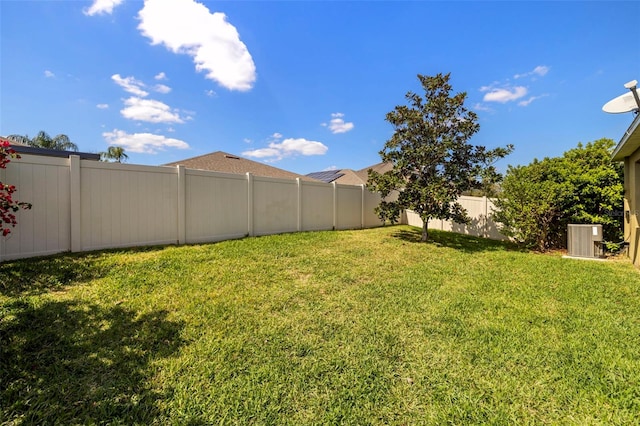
(8, 206)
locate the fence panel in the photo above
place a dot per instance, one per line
(275, 205)
(479, 210)
(492, 231)
(370, 218)
(45, 229)
(317, 206)
(217, 206)
(125, 205)
(349, 212)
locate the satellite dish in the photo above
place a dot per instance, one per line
(624, 103)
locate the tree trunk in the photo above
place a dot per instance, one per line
(425, 232)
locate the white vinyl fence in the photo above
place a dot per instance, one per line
(479, 210)
(82, 205)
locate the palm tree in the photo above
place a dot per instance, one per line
(115, 153)
(60, 142)
(19, 139)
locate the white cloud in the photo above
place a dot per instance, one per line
(49, 74)
(210, 93)
(100, 7)
(531, 99)
(481, 107)
(264, 153)
(161, 76)
(161, 88)
(504, 95)
(188, 27)
(288, 148)
(330, 168)
(540, 70)
(337, 124)
(149, 110)
(277, 135)
(130, 84)
(142, 142)
(102, 106)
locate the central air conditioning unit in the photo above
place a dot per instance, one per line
(585, 241)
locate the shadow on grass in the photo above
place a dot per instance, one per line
(465, 243)
(41, 274)
(73, 363)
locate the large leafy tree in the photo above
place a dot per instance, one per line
(43, 140)
(115, 153)
(539, 200)
(433, 161)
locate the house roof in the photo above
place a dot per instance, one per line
(21, 148)
(348, 176)
(228, 163)
(629, 143)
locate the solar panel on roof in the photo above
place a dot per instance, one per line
(327, 176)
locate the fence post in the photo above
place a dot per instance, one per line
(182, 204)
(74, 195)
(335, 205)
(361, 206)
(250, 204)
(485, 228)
(299, 224)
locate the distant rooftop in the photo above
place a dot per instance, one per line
(228, 163)
(348, 176)
(32, 150)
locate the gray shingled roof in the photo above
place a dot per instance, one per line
(228, 163)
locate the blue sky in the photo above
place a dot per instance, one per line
(305, 86)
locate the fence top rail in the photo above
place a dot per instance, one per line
(41, 160)
(352, 187)
(274, 180)
(471, 198)
(318, 184)
(88, 164)
(210, 173)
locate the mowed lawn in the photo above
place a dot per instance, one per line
(353, 327)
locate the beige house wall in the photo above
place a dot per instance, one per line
(632, 205)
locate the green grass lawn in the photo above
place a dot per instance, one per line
(357, 327)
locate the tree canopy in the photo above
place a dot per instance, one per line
(539, 200)
(59, 142)
(115, 153)
(433, 161)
